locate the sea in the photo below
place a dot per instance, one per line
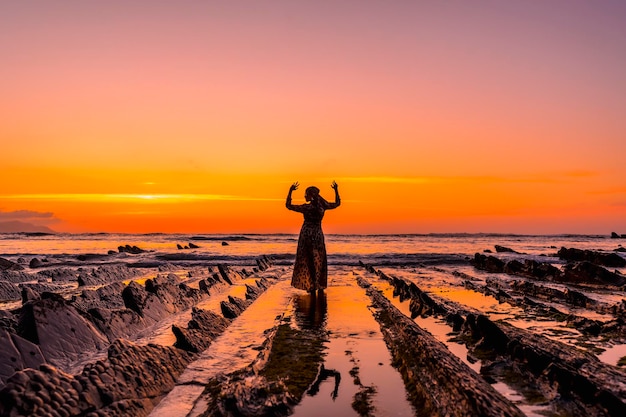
(342, 249)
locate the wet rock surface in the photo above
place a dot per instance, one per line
(438, 382)
(83, 341)
(49, 334)
(572, 381)
(5, 265)
(598, 258)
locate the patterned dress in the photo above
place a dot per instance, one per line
(310, 271)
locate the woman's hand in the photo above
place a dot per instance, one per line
(294, 186)
(334, 186)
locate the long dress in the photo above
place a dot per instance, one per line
(310, 271)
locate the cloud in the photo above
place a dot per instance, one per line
(443, 179)
(163, 198)
(25, 215)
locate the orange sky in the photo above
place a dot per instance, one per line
(195, 117)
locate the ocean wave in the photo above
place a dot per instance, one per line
(223, 238)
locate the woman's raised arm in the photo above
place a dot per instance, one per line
(337, 202)
(292, 188)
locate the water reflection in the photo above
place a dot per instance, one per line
(311, 310)
(311, 313)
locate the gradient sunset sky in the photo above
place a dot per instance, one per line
(196, 116)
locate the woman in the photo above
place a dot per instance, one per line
(310, 272)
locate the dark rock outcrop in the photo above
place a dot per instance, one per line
(438, 382)
(15, 276)
(61, 332)
(227, 274)
(564, 372)
(5, 265)
(568, 371)
(193, 246)
(202, 329)
(106, 274)
(529, 268)
(598, 258)
(128, 383)
(130, 249)
(588, 273)
(487, 263)
(58, 274)
(35, 263)
(501, 249)
(17, 353)
(117, 323)
(29, 294)
(9, 291)
(108, 296)
(232, 308)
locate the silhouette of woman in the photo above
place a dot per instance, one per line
(310, 271)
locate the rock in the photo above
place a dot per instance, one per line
(117, 323)
(487, 263)
(202, 286)
(58, 274)
(615, 235)
(620, 249)
(440, 383)
(9, 291)
(144, 303)
(17, 353)
(35, 263)
(543, 270)
(28, 294)
(193, 246)
(252, 293)
(232, 308)
(21, 260)
(514, 267)
(61, 332)
(179, 246)
(500, 249)
(112, 252)
(5, 265)
(203, 327)
(599, 258)
(15, 276)
(91, 256)
(264, 263)
(130, 249)
(106, 274)
(563, 370)
(108, 296)
(224, 243)
(226, 273)
(127, 383)
(588, 273)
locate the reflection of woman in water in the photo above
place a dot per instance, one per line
(311, 313)
(310, 271)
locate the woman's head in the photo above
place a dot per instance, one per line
(311, 193)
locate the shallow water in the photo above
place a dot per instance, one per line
(342, 249)
(354, 335)
(443, 332)
(355, 341)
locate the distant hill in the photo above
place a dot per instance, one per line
(23, 227)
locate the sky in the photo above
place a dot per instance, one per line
(432, 116)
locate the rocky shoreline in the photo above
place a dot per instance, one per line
(81, 342)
